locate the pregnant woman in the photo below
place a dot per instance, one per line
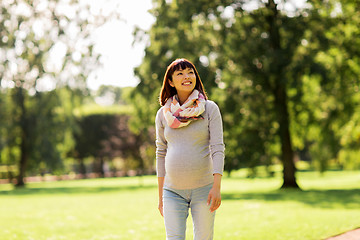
(189, 153)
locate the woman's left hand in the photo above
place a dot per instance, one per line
(214, 198)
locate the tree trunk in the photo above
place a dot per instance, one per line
(287, 153)
(82, 168)
(9, 174)
(101, 167)
(280, 94)
(24, 153)
(22, 164)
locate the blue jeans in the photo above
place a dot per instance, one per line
(176, 210)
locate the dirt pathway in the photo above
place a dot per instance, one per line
(351, 235)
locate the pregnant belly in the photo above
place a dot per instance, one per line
(185, 164)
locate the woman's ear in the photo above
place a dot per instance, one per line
(171, 83)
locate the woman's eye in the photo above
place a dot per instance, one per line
(179, 74)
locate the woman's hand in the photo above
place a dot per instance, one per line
(161, 209)
(214, 197)
(161, 189)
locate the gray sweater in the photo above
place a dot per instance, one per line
(189, 156)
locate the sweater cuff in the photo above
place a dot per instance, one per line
(218, 163)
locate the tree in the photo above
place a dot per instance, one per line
(44, 45)
(265, 54)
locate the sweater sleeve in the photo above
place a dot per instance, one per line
(217, 146)
(161, 145)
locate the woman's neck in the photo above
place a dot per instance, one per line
(183, 96)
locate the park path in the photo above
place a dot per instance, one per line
(351, 235)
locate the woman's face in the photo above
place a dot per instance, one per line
(184, 80)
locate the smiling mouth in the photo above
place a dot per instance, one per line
(187, 83)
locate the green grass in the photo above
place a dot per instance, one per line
(119, 208)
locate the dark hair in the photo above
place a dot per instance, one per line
(168, 91)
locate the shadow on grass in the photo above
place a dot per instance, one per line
(73, 190)
(349, 198)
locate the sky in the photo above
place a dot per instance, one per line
(114, 41)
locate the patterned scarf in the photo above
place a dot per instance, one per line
(180, 116)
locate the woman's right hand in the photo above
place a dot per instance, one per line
(161, 209)
(161, 189)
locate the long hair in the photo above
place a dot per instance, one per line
(168, 91)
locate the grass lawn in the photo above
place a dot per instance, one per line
(119, 208)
